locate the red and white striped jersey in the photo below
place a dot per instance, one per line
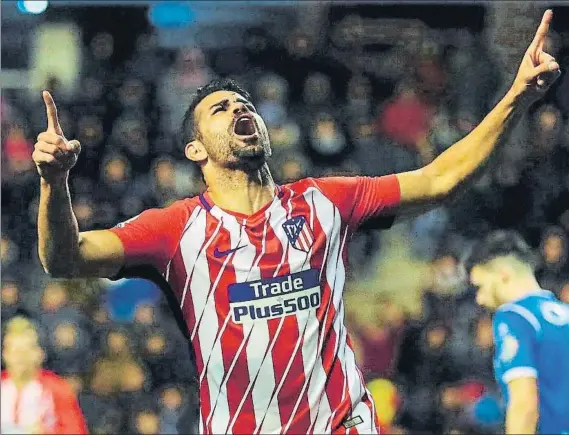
(46, 403)
(262, 300)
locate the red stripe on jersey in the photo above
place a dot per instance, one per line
(300, 421)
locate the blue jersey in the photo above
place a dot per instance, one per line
(532, 340)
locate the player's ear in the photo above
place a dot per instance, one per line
(506, 274)
(195, 151)
(41, 355)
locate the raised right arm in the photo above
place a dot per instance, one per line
(65, 252)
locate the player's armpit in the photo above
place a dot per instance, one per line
(523, 408)
(101, 254)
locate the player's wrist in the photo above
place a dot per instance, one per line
(518, 95)
(55, 179)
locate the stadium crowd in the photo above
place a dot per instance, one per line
(422, 344)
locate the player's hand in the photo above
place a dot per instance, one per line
(53, 154)
(538, 70)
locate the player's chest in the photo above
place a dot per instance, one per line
(273, 245)
(27, 406)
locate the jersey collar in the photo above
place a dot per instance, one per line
(536, 293)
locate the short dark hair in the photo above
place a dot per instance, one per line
(189, 130)
(497, 244)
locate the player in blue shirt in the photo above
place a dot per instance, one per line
(531, 334)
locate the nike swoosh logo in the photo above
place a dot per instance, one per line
(219, 254)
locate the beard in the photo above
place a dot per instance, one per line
(249, 158)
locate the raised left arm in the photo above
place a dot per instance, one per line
(427, 187)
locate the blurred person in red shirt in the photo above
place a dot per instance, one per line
(34, 400)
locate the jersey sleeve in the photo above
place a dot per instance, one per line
(363, 199)
(152, 237)
(516, 340)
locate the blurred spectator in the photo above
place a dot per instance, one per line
(542, 179)
(553, 251)
(34, 400)
(407, 121)
(387, 400)
(90, 132)
(447, 281)
(11, 298)
(145, 422)
(130, 133)
(171, 403)
(17, 157)
(98, 57)
(54, 297)
(69, 347)
(563, 292)
(327, 140)
(271, 97)
(377, 331)
(133, 94)
(472, 348)
(84, 208)
(189, 72)
(115, 177)
(317, 95)
(359, 97)
(147, 61)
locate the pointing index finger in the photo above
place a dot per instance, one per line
(541, 34)
(52, 121)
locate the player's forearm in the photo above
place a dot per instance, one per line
(457, 165)
(521, 418)
(58, 232)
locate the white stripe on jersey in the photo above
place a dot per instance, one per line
(190, 251)
(195, 213)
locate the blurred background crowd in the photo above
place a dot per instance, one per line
(344, 89)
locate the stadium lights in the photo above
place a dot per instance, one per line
(32, 6)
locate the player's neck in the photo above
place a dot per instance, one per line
(22, 379)
(522, 287)
(241, 192)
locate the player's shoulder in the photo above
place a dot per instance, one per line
(178, 210)
(323, 184)
(182, 205)
(49, 375)
(526, 310)
(302, 184)
(49, 378)
(53, 381)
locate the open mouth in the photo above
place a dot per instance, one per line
(245, 127)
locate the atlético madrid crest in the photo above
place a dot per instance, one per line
(299, 233)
